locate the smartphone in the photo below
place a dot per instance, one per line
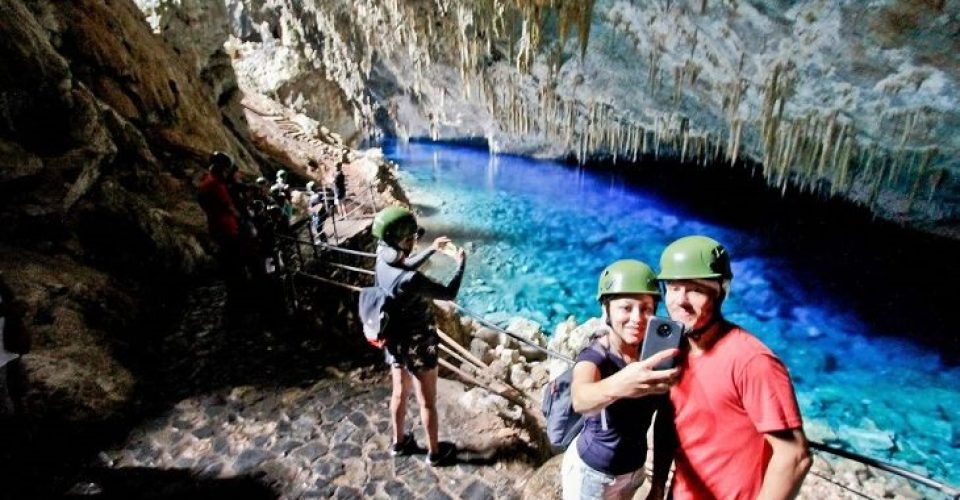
(662, 334)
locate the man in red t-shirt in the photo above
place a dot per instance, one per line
(223, 219)
(739, 430)
(216, 202)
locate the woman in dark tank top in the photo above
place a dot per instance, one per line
(620, 395)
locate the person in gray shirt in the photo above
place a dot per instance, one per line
(411, 334)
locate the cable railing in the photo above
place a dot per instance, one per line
(951, 492)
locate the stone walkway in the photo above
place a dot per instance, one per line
(303, 429)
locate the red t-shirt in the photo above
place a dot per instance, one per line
(727, 398)
(215, 200)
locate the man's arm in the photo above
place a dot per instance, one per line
(788, 464)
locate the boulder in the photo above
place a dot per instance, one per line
(530, 331)
(866, 440)
(491, 337)
(544, 484)
(570, 342)
(481, 350)
(818, 430)
(509, 356)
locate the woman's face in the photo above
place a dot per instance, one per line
(628, 316)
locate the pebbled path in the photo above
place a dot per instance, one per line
(281, 410)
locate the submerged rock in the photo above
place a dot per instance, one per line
(867, 440)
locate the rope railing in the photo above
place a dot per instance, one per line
(951, 492)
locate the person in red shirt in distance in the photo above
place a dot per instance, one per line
(739, 430)
(223, 218)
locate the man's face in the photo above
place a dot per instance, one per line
(690, 302)
(628, 316)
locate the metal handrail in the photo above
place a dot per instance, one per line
(913, 476)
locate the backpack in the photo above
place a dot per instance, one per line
(374, 309)
(564, 424)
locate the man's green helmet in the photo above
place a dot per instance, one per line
(281, 174)
(310, 186)
(627, 277)
(393, 224)
(695, 257)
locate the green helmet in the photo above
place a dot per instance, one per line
(310, 186)
(393, 224)
(627, 276)
(281, 174)
(695, 257)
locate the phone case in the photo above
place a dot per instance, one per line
(661, 334)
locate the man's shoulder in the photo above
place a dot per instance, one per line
(746, 338)
(744, 344)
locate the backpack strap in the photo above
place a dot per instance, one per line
(602, 349)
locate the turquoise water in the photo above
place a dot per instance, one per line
(538, 234)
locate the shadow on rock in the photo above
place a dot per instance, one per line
(143, 483)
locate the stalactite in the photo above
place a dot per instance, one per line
(826, 141)
(678, 74)
(928, 157)
(734, 155)
(908, 127)
(935, 180)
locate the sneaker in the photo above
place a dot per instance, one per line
(442, 456)
(405, 447)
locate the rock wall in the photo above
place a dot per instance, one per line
(104, 129)
(847, 98)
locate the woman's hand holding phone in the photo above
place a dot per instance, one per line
(641, 379)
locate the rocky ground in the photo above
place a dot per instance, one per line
(242, 407)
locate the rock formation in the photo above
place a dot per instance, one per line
(104, 128)
(847, 99)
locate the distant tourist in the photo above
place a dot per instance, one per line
(223, 218)
(739, 429)
(318, 212)
(411, 335)
(281, 182)
(620, 395)
(340, 188)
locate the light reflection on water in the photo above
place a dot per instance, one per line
(538, 234)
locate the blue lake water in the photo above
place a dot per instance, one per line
(538, 234)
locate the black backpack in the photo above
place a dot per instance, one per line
(563, 424)
(374, 310)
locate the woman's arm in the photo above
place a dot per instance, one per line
(416, 260)
(591, 394)
(422, 285)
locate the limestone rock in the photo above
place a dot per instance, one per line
(867, 440)
(544, 484)
(576, 339)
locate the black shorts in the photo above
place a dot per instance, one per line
(416, 352)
